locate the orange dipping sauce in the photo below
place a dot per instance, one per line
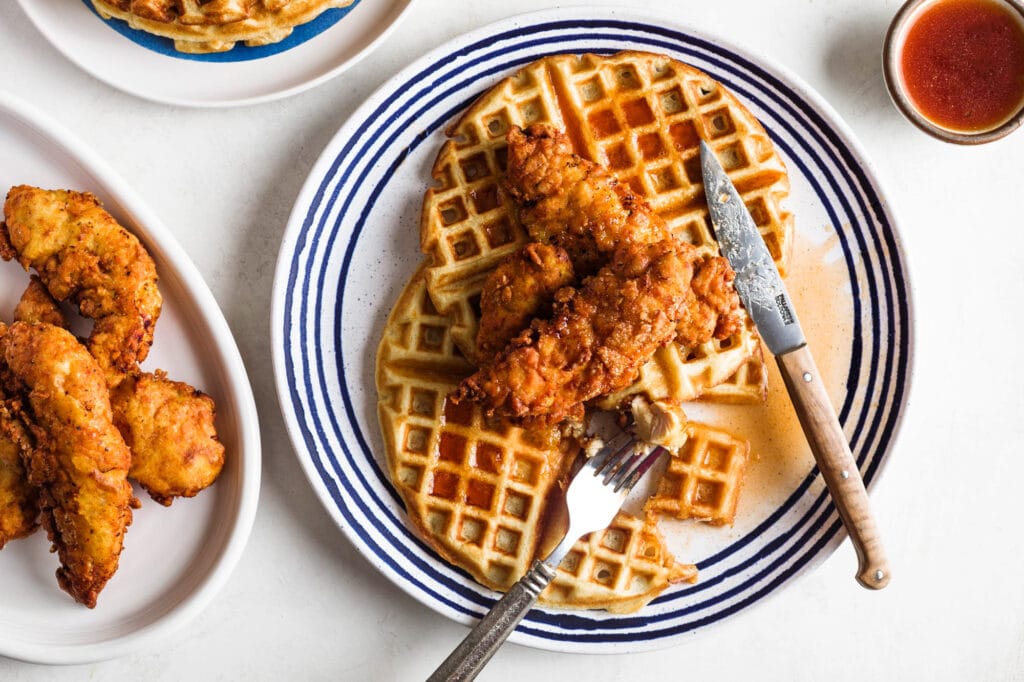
(963, 64)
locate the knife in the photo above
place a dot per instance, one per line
(763, 294)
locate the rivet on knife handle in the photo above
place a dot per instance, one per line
(839, 469)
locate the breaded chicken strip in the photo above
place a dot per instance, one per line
(37, 305)
(81, 253)
(597, 340)
(712, 306)
(19, 505)
(521, 288)
(649, 287)
(578, 205)
(168, 425)
(80, 462)
(574, 203)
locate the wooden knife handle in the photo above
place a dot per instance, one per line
(832, 453)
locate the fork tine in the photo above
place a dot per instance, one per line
(612, 455)
(629, 474)
(623, 460)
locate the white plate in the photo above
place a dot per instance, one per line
(149, 67)
(175, 559)
(352, 242)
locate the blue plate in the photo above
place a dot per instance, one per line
(240, 52)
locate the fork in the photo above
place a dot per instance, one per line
(594, 496)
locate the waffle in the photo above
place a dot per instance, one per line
(749, 383)
(703, 479)
(202, 26)
(641, 115)
(619, 569)
(729, 371)
(486, 495)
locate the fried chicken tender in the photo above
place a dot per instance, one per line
(169, 427)
(37, 305)
(81, 253)
(80, 462)
(521, 288)
(574, 203)
(649, 288)
(578, 205)
(597, 340)
(712, 309)
(19, 504)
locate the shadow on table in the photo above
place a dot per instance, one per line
(853, 63)
(305, 128)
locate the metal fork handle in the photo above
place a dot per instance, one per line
(470, 657)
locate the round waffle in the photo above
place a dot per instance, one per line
(202, 26)
(640, 115)
(487, 495)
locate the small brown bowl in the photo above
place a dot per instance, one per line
(891, 52)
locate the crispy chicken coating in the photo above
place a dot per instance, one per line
(37, 305)
(80, 462)
(597, 340)
(712, 309)
(81, 253)
(578, 205)
(521, 288)
(169, 427)
(648, 287)
(19, 504)
(574, 203)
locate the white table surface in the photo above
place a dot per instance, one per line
(304, 605)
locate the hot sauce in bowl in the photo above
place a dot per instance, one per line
(956, 67)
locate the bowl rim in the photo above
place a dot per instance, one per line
(901, 22)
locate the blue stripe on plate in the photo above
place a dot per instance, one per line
(240, 52)
(813, 538)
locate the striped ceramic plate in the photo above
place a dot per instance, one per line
(352, 242)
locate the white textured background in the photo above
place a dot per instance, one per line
(304, 605)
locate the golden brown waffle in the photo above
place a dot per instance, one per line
(749, 383)
(641, 115)
(730, 371)
(703, 480)
(619, 569)
(201, 26)
(487, 496)
(475, 489)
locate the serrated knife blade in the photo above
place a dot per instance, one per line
(763, 294)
